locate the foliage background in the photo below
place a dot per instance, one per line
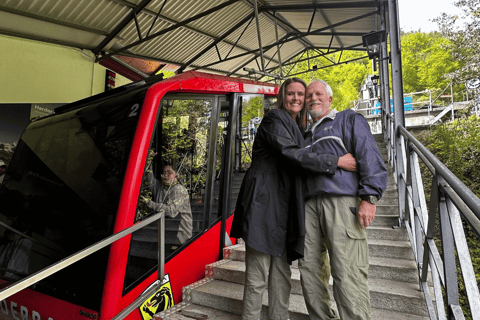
(457, 145)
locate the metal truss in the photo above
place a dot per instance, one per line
(288, 38)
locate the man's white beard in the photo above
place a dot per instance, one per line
(315, 114)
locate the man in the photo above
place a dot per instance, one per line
(172, 198)
(335, 222)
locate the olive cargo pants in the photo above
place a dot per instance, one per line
(263, 269)
(332, 225)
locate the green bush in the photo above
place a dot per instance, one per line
(457, 145)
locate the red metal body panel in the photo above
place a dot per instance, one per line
(190, 82)
(184, 269)
(42, 307)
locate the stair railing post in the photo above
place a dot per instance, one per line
(409, 219)
(161, 248)
(448, 252)
(419, 206)
(401, 162)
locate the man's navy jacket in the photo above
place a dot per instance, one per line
(339, 133)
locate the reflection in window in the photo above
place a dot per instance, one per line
(174, 181)
(62, 191)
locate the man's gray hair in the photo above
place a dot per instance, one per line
(327, 86)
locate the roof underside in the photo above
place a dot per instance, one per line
(216, 36)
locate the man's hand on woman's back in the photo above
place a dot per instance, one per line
(347, 162)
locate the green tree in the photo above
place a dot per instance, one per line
(457, 145)
(463, 32)
(345, 79)
(251, 109)
(426, 63)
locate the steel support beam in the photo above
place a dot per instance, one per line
(286, 39)
(171, 21)
(214, 44)
(176, 26)
(397, 88)
(255, 5)
(384, 76)
(313, 6)
(278, 46)
(323, 54)
(335, 64)
(131, 15)
(284, 24)
(239, 37)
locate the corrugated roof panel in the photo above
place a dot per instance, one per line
(82, 13)
(59, 19)
(222, 20)
(212, 57)
(301, 20)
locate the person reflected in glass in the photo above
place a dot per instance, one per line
(171, 197)
(270, 211)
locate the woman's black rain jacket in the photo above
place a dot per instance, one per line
(270, 210)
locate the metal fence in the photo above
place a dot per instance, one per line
(450, 202)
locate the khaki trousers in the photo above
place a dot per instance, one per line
(262, 270)
(332, 226)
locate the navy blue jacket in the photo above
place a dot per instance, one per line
(339, 133)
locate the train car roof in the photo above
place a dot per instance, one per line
(189, 82)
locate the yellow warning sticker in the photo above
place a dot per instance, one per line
(159, 301)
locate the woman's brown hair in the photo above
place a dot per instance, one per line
(281, 97)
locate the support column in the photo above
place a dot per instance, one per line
(398, 108)
(384, 78)
(278, 46)
(255, 7)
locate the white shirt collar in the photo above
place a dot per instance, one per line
(330, 115)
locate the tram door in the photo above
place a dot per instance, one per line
(185, 161)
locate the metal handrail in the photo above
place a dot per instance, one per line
(453, 200)
(48, 271)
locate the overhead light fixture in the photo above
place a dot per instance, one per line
(314, 68)
(372, 41)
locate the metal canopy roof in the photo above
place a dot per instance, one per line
(216, 36)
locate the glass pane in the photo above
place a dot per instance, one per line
(252, 114)
(174, 181)
(62, 191)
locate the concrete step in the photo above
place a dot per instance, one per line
(390, 249)
(201, 312)
(185, 311)
(386, 233)
(390, 192)
(388, 200)
(376, 248)
(384, 220)
(378, 137)
(379, 268)
(386, 295)
(387, 209)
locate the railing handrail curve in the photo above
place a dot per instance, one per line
(472, 201)
(48, 271)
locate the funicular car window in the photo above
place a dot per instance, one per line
(180, 145)
(62, 190)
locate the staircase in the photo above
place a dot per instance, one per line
(393, 279)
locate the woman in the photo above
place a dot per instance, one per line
(270, 210)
